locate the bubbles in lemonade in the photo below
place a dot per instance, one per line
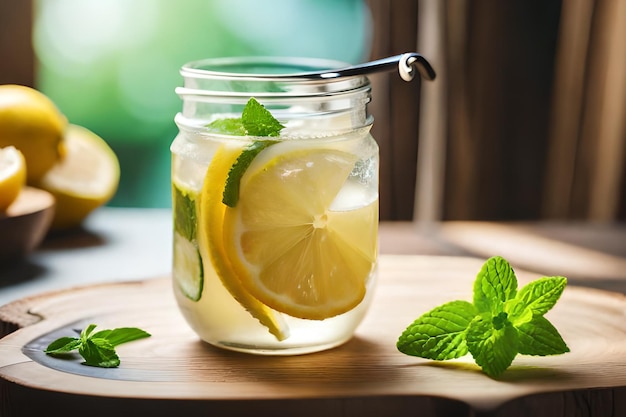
(290, 268)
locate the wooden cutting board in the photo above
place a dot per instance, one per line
(173, 373)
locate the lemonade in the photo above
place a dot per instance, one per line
(275, 230)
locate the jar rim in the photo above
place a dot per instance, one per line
(250, 67)
(271, 78)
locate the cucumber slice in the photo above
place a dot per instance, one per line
(188, 271)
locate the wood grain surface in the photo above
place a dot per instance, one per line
(173, 372)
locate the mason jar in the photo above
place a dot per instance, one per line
(275, 204)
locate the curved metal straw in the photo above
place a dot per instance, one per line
(406, 63)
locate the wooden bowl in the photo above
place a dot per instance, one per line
(25, 223)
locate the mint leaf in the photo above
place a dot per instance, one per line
(228, 126)
(185, 220)
(495, 284)
(230, 197)
(536, 298)
(440, 333)
(63, 345)
(121, 335)
(493, 348)
(258, 121)
(99, 352)
(84, 335)
(98, 349)
(539, 337)
(255, 120)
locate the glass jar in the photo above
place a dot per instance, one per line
(290, 266)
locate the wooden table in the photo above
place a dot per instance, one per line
(123, 255)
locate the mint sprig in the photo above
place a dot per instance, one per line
(98, 349)
(255, 120)
(258, 121)
(499, 324)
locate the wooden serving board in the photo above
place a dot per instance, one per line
(173, 373)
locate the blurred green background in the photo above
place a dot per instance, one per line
(112, 66)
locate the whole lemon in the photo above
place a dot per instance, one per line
(32, 123)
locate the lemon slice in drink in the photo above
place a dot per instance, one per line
(12, 175)
(210, 241)
(290, 248)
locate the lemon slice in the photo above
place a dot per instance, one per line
(12, 175)
(85, 179)
(210, 241)
(290, 248)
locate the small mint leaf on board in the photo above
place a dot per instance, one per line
(121, 335)
(63, 345)
(540, 338)
(99, 352)
(440, 333)
(494, 285)
(493, 349)
(258, 121)
(86, 332)
(97, 349)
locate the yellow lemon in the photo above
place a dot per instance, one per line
(32, 123)
(210, 232)
(12, 175)
(86, 178)
(289, 245)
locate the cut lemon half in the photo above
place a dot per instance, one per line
(12, 175)
(289, 243)
(210, 241)
(86, 178)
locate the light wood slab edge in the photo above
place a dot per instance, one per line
(523, 246)
(591, 321)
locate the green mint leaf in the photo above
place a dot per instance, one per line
(63, 345)
(98, 349)
(540, 338)
(228, 126)
(536, 298)
(230, 197)
(86, 332)
(121, 335)
(258, 121)
(100, 353)
(493, 349)
(185, 220)
(494, 285)
(440, 333)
